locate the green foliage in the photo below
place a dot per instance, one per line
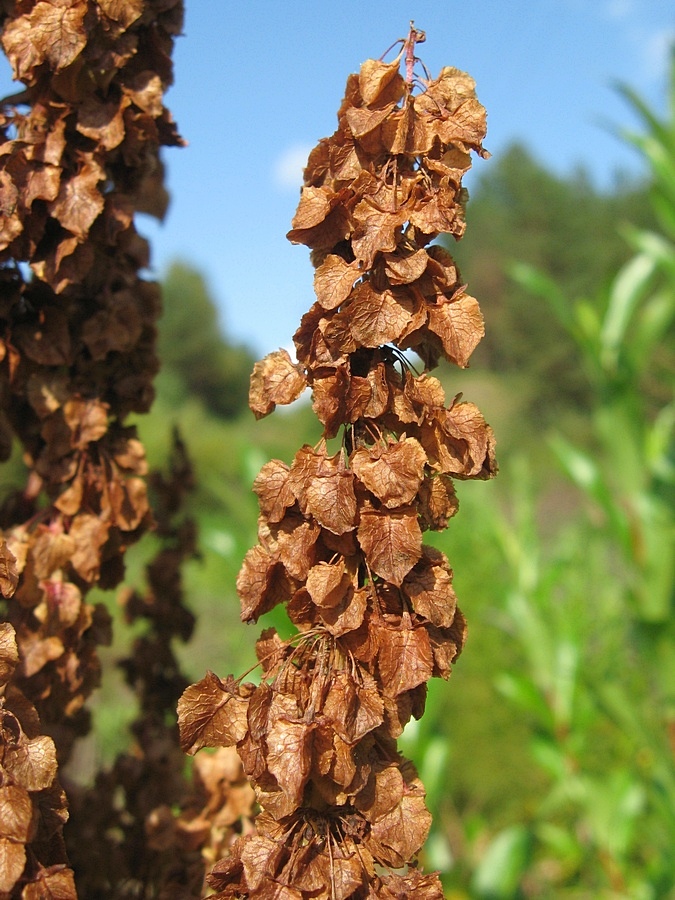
(566, 229)
(197, 359)
(594, 611)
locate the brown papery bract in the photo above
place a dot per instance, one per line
(341, 529)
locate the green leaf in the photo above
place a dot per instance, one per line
(433, 769)
(627, 290)
(654, 320)
(588, 323)
(657, 559)
(565, 680)
(656, 247)
(536, 282)
(658, 445)
(500, 870)
(522, 690)
(586, 474)
(612, 810)
(552, 759)
(664, 207)
(654, 125)
(564, 843)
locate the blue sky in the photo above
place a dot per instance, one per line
(259, 82)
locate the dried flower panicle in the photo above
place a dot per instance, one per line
(341, 532)
(79, 156)
(142, 828)
(33, 806)
(123, 831)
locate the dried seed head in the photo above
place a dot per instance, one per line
(341, 532)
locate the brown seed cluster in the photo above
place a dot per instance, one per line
(341, 528)
(142, 829)
(33, 806)
(79, 156)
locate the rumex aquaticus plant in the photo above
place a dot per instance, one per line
(342, 813)
(79, 156)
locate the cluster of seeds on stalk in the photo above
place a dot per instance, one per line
(79, 156)
(142, 827)
(340, 530)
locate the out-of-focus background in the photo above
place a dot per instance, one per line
(549, 756)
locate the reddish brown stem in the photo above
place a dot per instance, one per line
(414, 37)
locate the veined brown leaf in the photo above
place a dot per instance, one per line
(211, 713)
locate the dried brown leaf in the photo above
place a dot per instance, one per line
(413, 884)
(335, 227)
(55, 883)
(37, 651)
(289, 755)
(401, 832)
(128, 502)
(314, 206)
(123, 11)
(330, 875)
(42, 183)
(346, 616)
(63, 601)
(9, 654)
(405, 659)
(324, 488)
(211, 713)
(375, 76)
(428, 585)
(437, 502)
(296, 543)
(146, 91)
(328, 584)
(101, 121)
(393, 473)
(261, 584)
(363, 121)
(115, 328)
(328, 398)
(12, 862)
(406, 131)
(16, 813)
(9, 576)
(270, 649)
(402, 269)
(32, 762)
(333, 281)
(51, 550)
(459, 324)
(47, 340)
(469, 443)
(52, 32)
(353, 705)
(376, 231)
(260, 858)
(80, 202)
(391, 541)
(275, 379)
(90, 533)
(273, 490)
(377, 317)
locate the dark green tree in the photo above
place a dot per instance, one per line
(195, 354)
